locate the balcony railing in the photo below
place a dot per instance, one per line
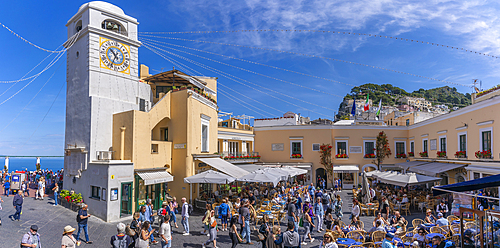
(241, 157)
(104, 155)
(239, 127)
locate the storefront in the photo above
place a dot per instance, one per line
(348, 175)
(151, 184)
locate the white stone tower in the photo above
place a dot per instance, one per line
(102, 79)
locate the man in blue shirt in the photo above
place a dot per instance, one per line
(18, 204)
(441, 220)
(387, 241)
(6, 187)
(83, 216)
(299, 201)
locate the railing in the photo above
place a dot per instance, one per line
(241, 157)
(104, 155)
(239, 127)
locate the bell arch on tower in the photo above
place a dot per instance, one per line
(114, 26)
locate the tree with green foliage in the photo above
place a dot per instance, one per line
(382, 148)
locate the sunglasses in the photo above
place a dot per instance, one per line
(326, 237)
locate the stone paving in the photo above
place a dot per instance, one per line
(52, 219)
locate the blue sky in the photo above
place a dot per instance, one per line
(470, 25)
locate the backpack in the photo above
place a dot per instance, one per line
(190, 209)
(325, 199)
(78, 219)
(120, 243)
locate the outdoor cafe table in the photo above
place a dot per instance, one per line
(427, 226)
(432, 235)
(348, 242)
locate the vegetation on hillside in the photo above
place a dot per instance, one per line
(391, 95)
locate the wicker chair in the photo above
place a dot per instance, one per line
(342, 224)
(337, 235)
(364, 209)
(456, 239)
(357, 235)
(361, 225)
(407, 241)
(455, 229)
(368, 245)
(451, 218)
(378, 237)
(416, 223)
(437, 229)
(405, 208)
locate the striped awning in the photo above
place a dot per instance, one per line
(154, 177)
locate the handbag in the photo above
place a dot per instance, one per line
(301, 222)
(214, 223)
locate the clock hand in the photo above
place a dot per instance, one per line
(115, 56)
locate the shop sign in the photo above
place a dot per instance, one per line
(180, 146)
(355, 149)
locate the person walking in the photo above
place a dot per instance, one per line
(212, 230)
(32, 238)
(82, 219)
(68, 241)
(6, 187)
(173, 209)
(292, 213)
(233, 232)
(290, 238)
(185, 216)
(39, 189)
(56, 192)
(319, 212)
(120, 240)
(245, 221)
(1, 209)
(143, 240)
(165, 233)
(224, 214)
(308, 225)
(206, 219)
(264, 230)
(18, 205)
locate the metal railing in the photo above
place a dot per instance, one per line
(239, 126)
(251, 155)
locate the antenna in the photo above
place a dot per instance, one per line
(474, 82)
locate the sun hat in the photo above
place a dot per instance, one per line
(68, 229)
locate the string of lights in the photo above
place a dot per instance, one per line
(245, 104)
(229, 76)
(71, 41)
(256, 73)
(166, 58)
(178, 65)
(297, 99)
(312, 56)
(329, 32)
(33, 98)
(29, 42)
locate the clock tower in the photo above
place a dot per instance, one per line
(102, 80)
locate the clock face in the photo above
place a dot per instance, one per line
(114, 55)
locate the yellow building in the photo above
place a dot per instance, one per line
(469, 130)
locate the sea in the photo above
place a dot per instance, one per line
(29, 164)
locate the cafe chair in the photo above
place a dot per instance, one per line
(368, 245)
(405, 208)
(407, 241)
(455, 238)
(344, 246)
(364, 209)
(357, 235)
(416, 223)
(352, 246)
(342, 224)
(337, 235)
(378, 237)
(437, 229)
(451, 218)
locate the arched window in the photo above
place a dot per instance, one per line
(460, 178)
(113, 26)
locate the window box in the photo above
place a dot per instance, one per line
(441, 154)
(461, 154)
(341, 156)
(296, 156)
(370, 155)
(424, 154)
(411, 154)
(484, 154)
(400, 155)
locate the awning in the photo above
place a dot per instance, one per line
(481, 183)
(260, 176)
(250, 167)
(154, 177)
(345, 169)
(432, 169)
(407, 179)
(406, 165)
(210, 176)
(224, 166)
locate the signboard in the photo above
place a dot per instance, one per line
(355, 149)
(278, 147)
(433, 144)
(180, 146)
(15, 178)
(114, 194)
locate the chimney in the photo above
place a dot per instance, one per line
(473, 98)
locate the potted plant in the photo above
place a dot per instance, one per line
(400, 155)
(441, 154)
(411, 154)
(486, 154)
(424, 154)
(369, 155)
(296, 155)
(460, 154)
(343, 155)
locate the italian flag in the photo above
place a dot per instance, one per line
(367, 106)
(379, 107)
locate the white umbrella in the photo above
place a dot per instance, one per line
(260, 176)
(294, 171)
(407, 179)
(366, 189)
(210, 176)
